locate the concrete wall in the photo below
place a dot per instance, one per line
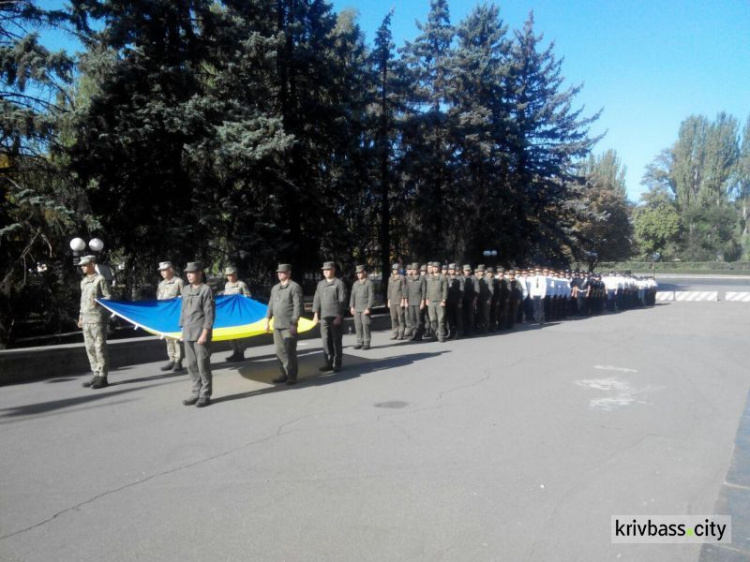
(34, 363)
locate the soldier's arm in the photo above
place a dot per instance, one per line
(371, 295)
(104, 288)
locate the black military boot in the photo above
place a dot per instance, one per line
(168, 367)
(178, 368)
(100, 382)
(88, 384)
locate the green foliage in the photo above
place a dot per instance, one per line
(704, 172)
(604, 229)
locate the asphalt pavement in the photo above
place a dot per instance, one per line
(518, 447)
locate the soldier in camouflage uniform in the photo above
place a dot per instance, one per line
(397, 303)
(170, 287)
(361, 301)
(234, 286)
(93, 320)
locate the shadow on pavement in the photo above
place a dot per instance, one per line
(354, 367)
(87, 397)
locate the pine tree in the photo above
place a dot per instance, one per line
(548, 139)
(38, 202)
(426, 162)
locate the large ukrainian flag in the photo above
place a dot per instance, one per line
(237, 316)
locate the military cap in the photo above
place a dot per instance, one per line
(163, 265)
(451, 266)
(480, 267)
(423, 268)
(361, 269)
(445, 266)
(414, 266)
(193, 266)
(85, 260)
(395, 267)
(488, 269)
(467, 267)
(284, 268)
(231, 270)
(500, 269)
(329, 265)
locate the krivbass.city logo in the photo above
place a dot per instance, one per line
(671, 529)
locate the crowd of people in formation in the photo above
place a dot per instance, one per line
(433, 301)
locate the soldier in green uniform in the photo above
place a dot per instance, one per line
(234, 286)
(455, 302)
(197, 322)
(503, 298)
(415, 303)
(515, 298)
(397, 303)
(436, 299)
(361, 301)
(170, 287)
(285, 308)
(329, 306)
(484, 300)
(471, 293)
(93, 320)
(489, 278)
(424, 316)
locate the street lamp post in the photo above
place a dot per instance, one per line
(491, 254)
(78, 245)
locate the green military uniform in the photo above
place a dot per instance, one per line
(396, 303)
(415, 293)
(454, 306)
(93, 320)
(171, 289)
(329, 303)
(437, 296)
(471, 293)
(484, 301)
(285, 308)
(236, 288)
(197, 314)
(503, 299)
(424, 313)
(361, 301)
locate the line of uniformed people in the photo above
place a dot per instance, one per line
(441, 302)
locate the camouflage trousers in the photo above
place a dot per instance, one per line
(174, 350)
(95, 341)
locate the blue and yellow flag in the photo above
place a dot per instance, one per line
(237, 316)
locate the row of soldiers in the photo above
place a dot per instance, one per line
(441, 302)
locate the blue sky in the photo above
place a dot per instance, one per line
(648, 63)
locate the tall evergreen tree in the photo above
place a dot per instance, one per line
(428, 132)
(38, 202)
(479, 72)
(549, 138)
(131, 138)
